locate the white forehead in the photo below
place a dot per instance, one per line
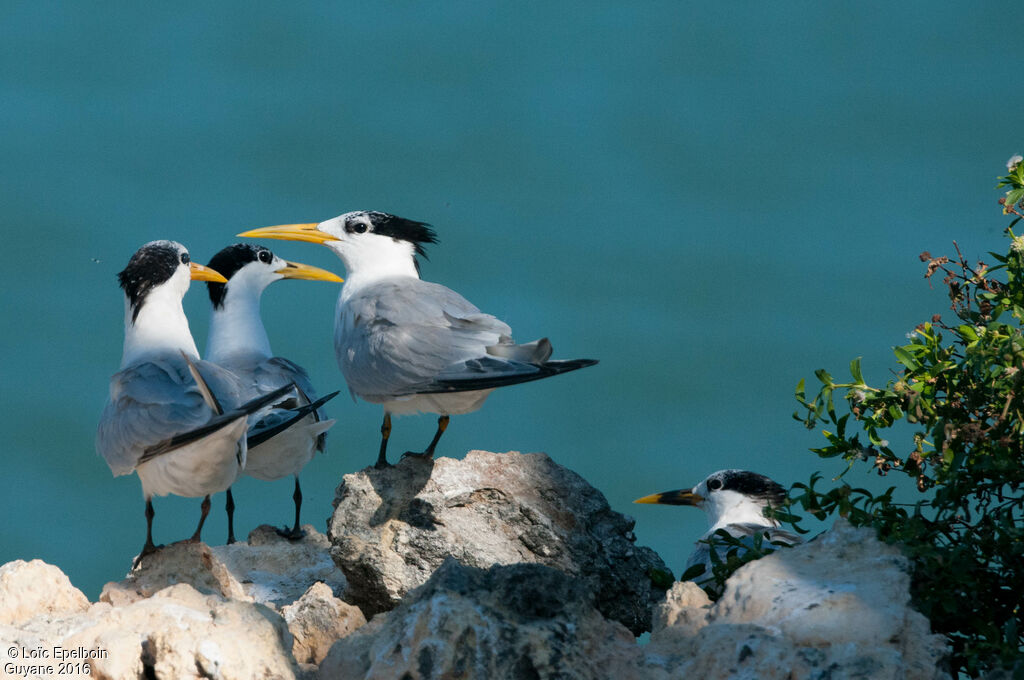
(164, 243)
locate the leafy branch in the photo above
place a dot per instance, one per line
(956, 405)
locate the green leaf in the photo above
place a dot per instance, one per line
(691, 573)
(661, 578)
(904, 356)
(967, 332)
(1014, 196)
(958, 512)
(858, 377)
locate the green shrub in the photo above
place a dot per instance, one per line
(955, 412)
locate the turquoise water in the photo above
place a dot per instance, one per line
(713, 199)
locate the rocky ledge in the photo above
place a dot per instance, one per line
(392, 528)
(495, 566)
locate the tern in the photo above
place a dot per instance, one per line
(408, 344)
(238, 342)
(163, 419)
(734, 501)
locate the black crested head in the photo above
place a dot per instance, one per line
(150, 266)
(228, 261)
(399, 228)
(752, 484)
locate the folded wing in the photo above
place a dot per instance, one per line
(407, 336)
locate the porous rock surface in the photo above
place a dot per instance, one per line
(835, 608)
(515, 621)
(31, 588)
(266, 608)
(317, 620)
(266, 568)
(177, 633)
(392, 528)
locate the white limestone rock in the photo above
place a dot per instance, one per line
(392, 528)
(515, 621)
(840, 602)
(266, 568)
(275, 571)
(178, 632)
(317, 620)
(28, 589)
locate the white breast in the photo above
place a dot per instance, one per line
(207, 466)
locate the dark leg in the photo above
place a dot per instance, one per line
(385, 432)
(295, 533)
(149, 548)
(229, 505)
(442, 425)
(205, 507)
(297, 497)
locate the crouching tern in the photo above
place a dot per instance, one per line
(734, 501)
(238, 342)
(164, 419)
(407, 344)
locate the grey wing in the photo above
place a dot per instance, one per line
(747, 532)
(402, 333)
(225, 385)
(148, 403)
(278, 371)
(784, 537)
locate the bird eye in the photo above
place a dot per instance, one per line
(356, 227)
(714, 484)
(185, 258)
(265, 256)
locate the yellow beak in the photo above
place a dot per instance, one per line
(198, 272)
(679, 497)
(297, 270)
(291, 232)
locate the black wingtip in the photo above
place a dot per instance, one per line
(545, 370)
(256, 404)
(572, 364)
(216, 423)
(299, 413)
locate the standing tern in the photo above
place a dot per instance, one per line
(163, 420)
(405, 343)
(734, 500)
(238, 342)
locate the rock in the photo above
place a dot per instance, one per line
(838, 605)
(317, 620)
(836, 608)
(515, 621)
(31, 588)
(275, 571)
(192, 563)
(685, 609)
(177, 633)
(268, 569)
(392, 528)
(182, 633)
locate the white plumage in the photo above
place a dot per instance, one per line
(238, 341)
(175, 420)
(407, 344)
(735, 502)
